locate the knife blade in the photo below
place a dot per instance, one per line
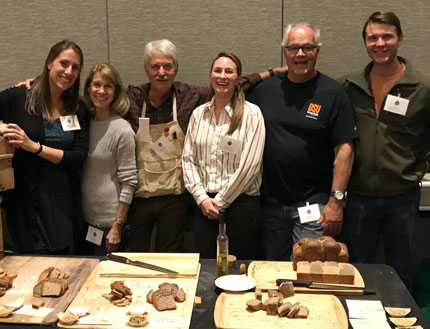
(128, 261)
(312, 285)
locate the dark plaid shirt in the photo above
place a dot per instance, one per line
(188, 97)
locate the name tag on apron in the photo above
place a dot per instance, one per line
(396, 105)
(230, 145)
(163, 147)
(143, 131)
(70, 122)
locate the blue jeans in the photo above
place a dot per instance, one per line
(282, 228)
(367, 218)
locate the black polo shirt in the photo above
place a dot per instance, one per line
(304, 122)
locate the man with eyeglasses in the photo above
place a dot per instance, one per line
(308, 152)
(392, 108)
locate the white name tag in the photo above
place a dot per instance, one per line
(396, 105)
(94, 235)
(163, 147)
(309, 213)
(230, 145)
(143, 131)
(70, 122)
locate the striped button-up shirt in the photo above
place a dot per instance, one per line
(209, 168)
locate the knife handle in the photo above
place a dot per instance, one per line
(117, 258)
(296, 283)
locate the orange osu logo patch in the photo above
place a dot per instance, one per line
(315, 108)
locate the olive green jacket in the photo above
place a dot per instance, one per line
(390, 150)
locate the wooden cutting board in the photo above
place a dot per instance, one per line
(266, 273)
(187, 264)
(90, 297)
(28, 269)
(325, 311)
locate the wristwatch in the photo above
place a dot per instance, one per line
(338, 195)
(271, 72)
(121, 221)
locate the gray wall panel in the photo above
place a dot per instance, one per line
(252, 29)
(199, 29)
(29, 29)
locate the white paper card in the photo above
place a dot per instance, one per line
(396, 105)
(309, 213)
(94, 235)
(70, 122)
(369, 324)
(163, 147)
(165, 322)
(96, 319)
(143, 131)
(230, 145)
(29, 310)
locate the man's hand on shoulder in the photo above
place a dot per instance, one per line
(27, 83)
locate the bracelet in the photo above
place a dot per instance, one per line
(271, 72)
(40, 149)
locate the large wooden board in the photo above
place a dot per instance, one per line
(325, 311)
(90, 297)
(187, 264)
(265, 274)
(28, 269)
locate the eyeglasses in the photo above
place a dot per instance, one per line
(294, 49)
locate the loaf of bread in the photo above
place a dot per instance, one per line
(324, 248)
(165, 297)
(326, 272)
(52, 282)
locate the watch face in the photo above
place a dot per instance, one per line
(338, 195)
(121, 221)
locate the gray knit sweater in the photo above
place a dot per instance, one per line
(109, 172)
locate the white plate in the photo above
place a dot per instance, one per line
(235, 282)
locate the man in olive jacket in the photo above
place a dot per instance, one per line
(392, 108)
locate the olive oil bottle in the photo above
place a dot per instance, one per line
(222, 246)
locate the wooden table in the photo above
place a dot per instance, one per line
(389, 289)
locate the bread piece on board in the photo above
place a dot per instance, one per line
(286, 289)
(180, 295)
(163, 302)
(258, 294)
(304, 271)
(254, 305)
(303, 313)
(284, 309)
(272, 306)
(294, 310)
(316, 271)
(346, 272)
(331, 273)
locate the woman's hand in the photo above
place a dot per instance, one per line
(210, 208)
(113, 238)
(18, 138)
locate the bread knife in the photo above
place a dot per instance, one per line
(312, 285)
(128, 261)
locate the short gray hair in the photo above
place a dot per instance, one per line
(291, 26)
(164, 47)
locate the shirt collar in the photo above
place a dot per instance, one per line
(211, 105)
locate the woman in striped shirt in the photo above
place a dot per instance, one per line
(222, 163)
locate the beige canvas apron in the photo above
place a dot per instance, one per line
(156, 175)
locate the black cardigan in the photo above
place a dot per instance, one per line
(21, 203)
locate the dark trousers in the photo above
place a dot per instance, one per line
(168, 212)
(393, 218)
(243, 228)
